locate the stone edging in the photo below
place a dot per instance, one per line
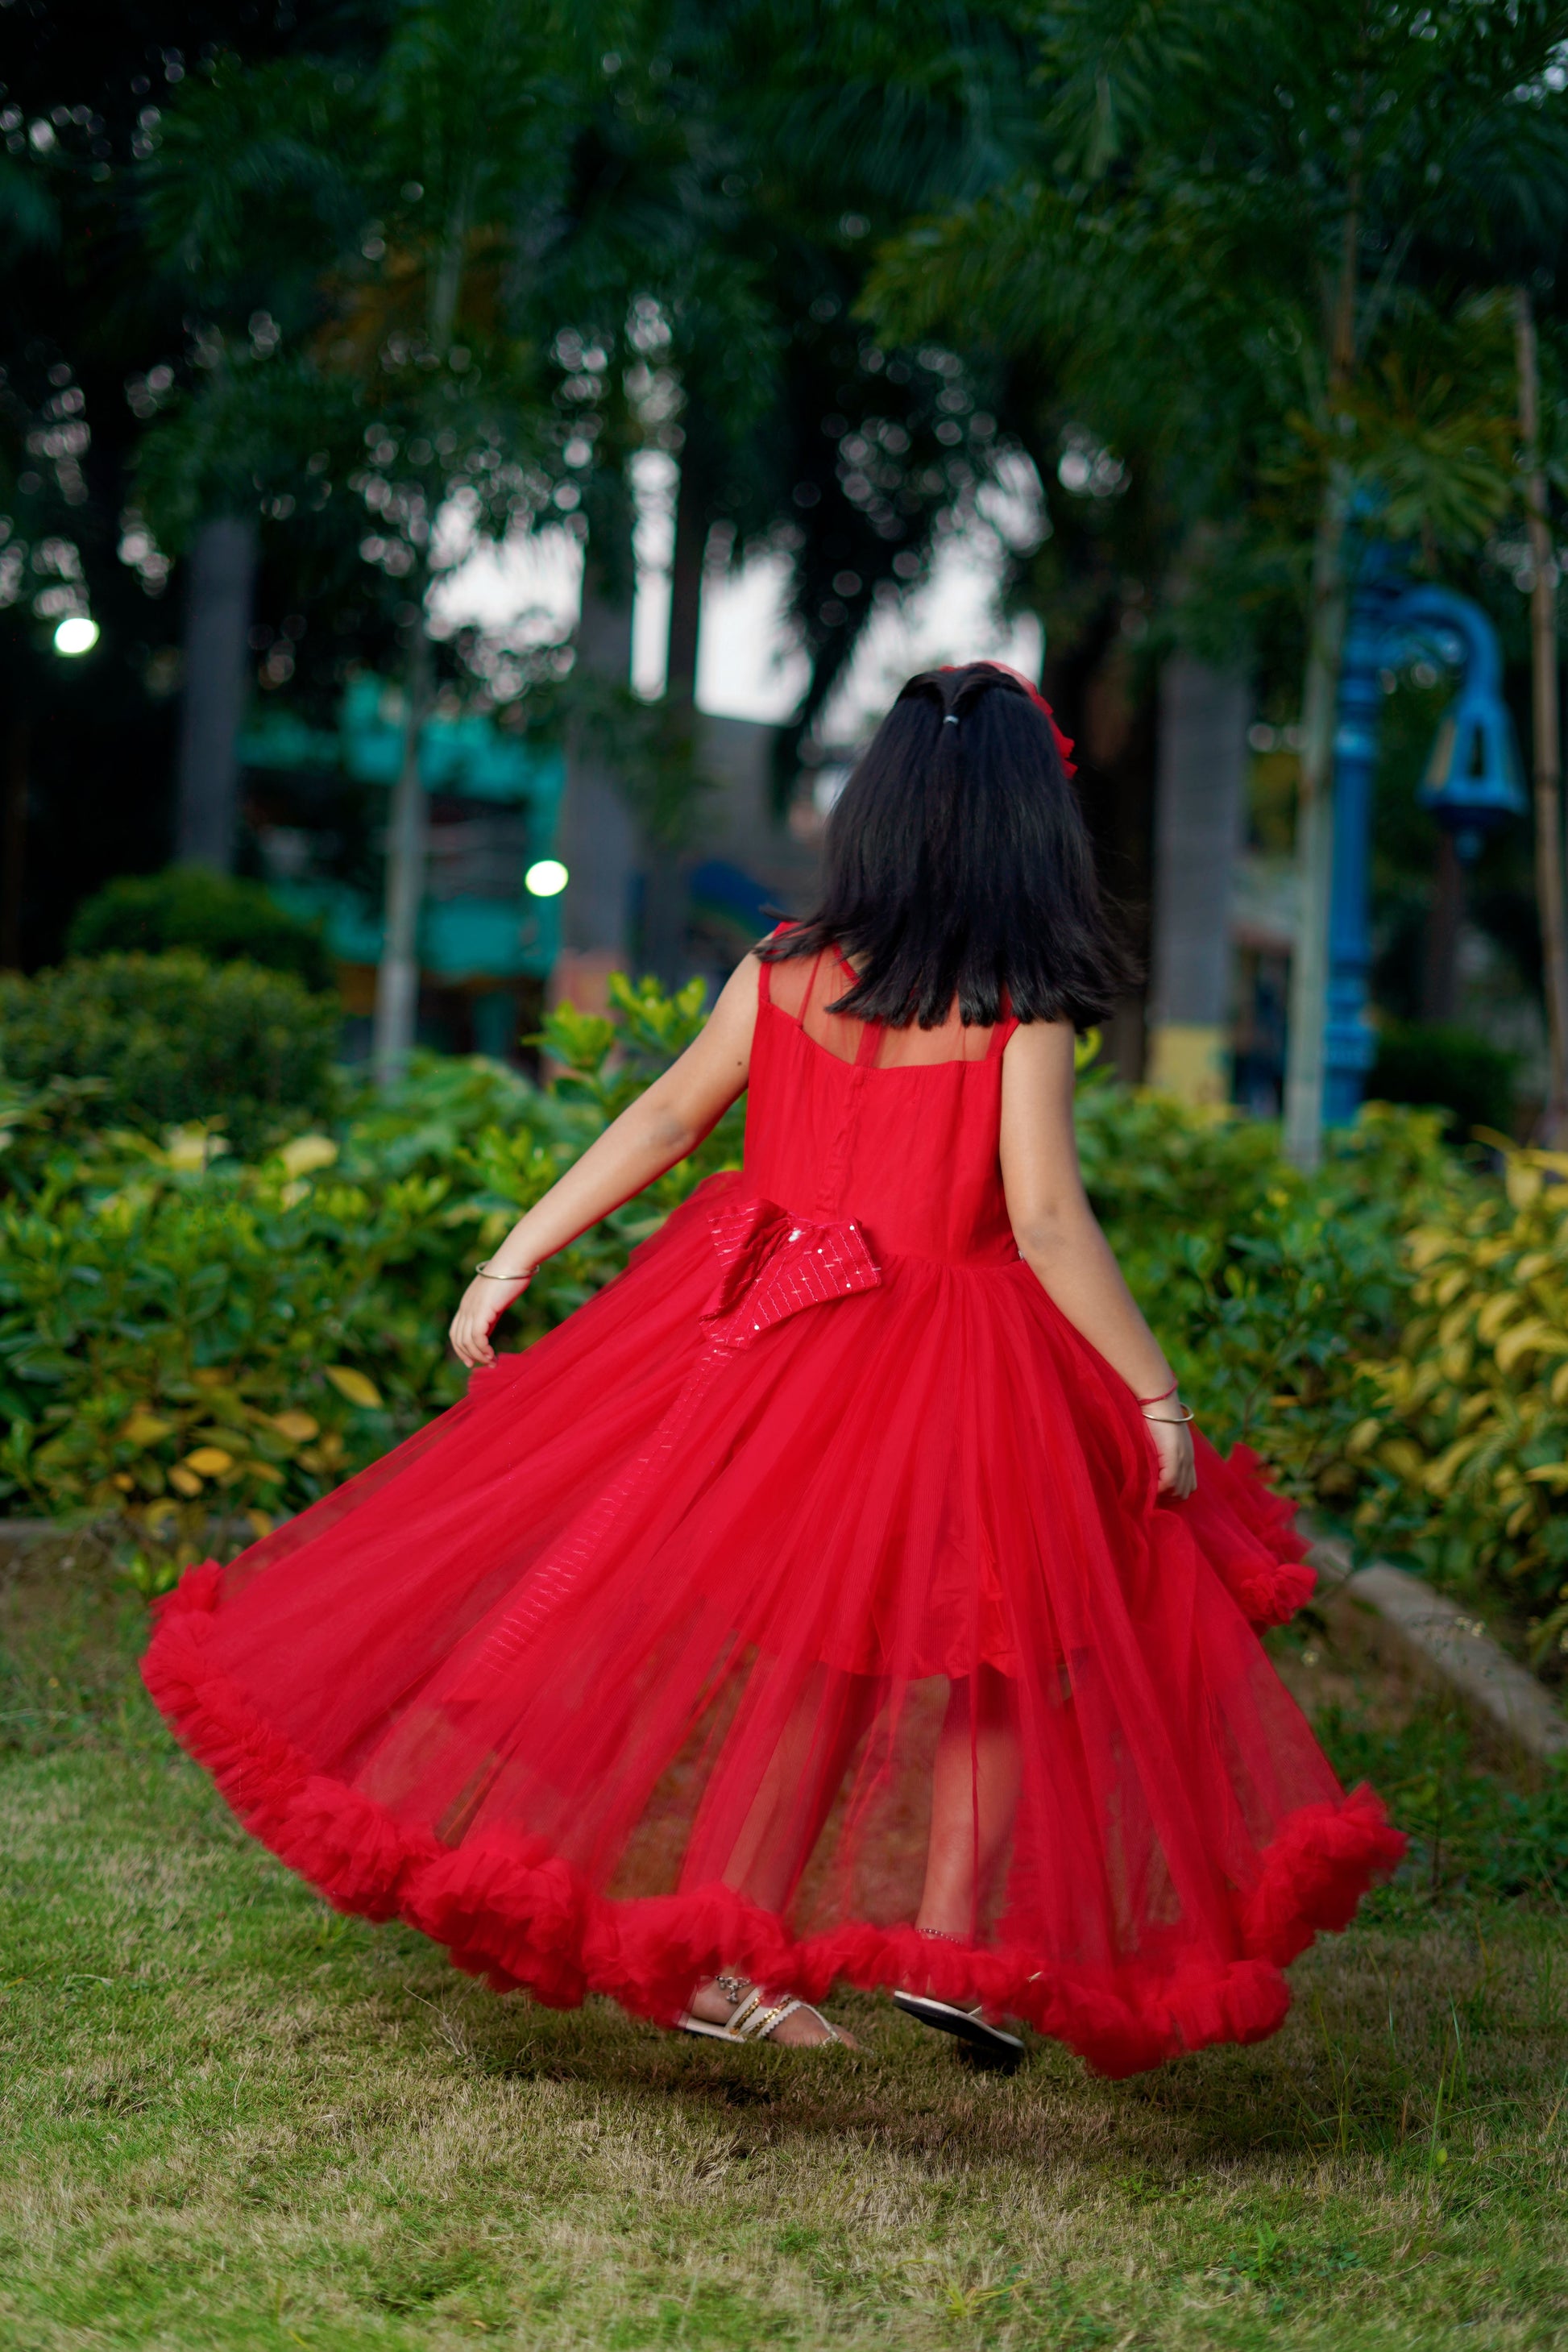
(1452, 1645)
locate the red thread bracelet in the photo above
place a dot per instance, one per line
(1161, 1398)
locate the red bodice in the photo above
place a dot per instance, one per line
(896, 1131)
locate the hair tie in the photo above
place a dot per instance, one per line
(1063, 742)
(952, 719)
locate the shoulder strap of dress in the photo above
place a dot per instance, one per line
(766, 970)
(1004, 1029)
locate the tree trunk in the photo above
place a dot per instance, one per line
(218, 589)
(686, 589)
(1200, 792)
(1309, 1008)
(1315, 832)
(598, 834)
(397, 975)
(16, 844)
(663, 916)
(1547, 732)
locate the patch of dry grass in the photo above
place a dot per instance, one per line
(232, 2120)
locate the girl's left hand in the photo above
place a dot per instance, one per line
(479, 1309)
(1173, 1444)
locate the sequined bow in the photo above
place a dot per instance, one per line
(774, 1265)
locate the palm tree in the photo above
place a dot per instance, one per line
(406, 200)
(725, 197)
(1263, 218)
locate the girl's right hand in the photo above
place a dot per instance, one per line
(479, 1309)
(1173, 1444)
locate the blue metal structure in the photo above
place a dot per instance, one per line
(1472, 784)
(466, 930)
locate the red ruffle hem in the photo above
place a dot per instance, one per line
(646, 1659)
(508, 1911)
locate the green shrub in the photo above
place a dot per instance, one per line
(1268, 1290)
(180, 1332)
(179, 1329)
(1463, 1448)
(1448, 1068)
(171, 1039)
(186, 907)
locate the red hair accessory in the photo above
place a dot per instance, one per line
(1063, 742)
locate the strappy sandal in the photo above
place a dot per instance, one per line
(754, 2019)
(982, 2042)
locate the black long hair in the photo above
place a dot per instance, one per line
(957, 862)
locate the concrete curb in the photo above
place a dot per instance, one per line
(1455, 1647)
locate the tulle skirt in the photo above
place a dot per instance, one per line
(635, 1664)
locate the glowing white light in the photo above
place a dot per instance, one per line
(76, 635)
(546, 878)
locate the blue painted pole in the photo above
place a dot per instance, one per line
(1479, 789)
(1350, 1045)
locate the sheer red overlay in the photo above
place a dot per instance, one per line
(644, 1659)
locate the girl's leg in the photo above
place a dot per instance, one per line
(795, 1793)
(975, 1794)
(792, 1800)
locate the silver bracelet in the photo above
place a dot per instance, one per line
(1173, 1420)
(483, 1266)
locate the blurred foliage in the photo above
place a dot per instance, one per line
(1269, 1289)
(1437, 1063)
(183, 1332)
(166, 1039)
(1464, 1444)
(1254, 274)
(218, 917)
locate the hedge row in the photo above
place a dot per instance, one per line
(185, 1325)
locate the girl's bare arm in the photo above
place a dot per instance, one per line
(651, 1134)
(1059, 1237)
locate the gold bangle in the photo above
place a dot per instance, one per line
(1174, 1420)
(483, 1266)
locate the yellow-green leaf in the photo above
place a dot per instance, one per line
(1526, 1337)
(353, 1386)
(210, 1460)
(144, 1429)
(306, 1152)
(1523, 1182)
(298, 1428)
(1404, 1457)
(1440, 1474)
(1427, 1243)
(1498, 1311)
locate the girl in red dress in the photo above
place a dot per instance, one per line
(842, 1595)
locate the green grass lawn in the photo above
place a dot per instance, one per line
(233, 2119)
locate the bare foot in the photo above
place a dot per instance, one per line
(804, 2030)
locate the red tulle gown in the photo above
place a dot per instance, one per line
(634, 1663)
